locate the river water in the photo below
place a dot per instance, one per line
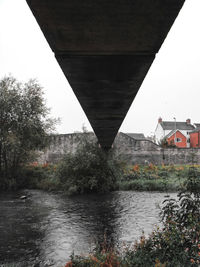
(46, 228)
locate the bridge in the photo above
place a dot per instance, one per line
(105, 49)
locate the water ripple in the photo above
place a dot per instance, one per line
(48, 227)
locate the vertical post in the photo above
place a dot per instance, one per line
(175, 130)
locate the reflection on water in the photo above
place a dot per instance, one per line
(47, 227)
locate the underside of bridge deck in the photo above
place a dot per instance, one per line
(105, 49)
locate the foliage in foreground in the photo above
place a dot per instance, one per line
(176, 244)
(24, 126)
(89, 169)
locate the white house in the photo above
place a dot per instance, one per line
(163, 128)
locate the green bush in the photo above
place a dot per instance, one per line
(89, 169)
(50, 183)
(178, 242)
(33, 176)
(8, 184)
(40, 177)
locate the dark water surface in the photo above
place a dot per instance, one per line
(46, 228)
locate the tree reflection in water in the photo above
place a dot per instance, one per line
(48, 227)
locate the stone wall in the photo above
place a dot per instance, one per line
(132, 150)
(181, 155)
(137, 151)
(61, 144)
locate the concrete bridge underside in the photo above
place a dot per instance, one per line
(105, 49)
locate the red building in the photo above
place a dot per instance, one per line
(165, 130)
(176, 138)
(195, 138)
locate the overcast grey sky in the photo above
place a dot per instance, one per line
(170, 89)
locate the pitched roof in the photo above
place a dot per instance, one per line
(173, 132)
(197, 125)
(196, 130)
(170, 125)
(136, 136)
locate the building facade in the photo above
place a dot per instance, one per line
(176, 138)
(167, 129)
(195, 138)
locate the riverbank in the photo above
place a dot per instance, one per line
(138, 178)
(177, 243)
(155, 178)
(92, 170)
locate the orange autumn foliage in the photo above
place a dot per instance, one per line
(136, 168)
(69, 264)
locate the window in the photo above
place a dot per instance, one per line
(178, 140)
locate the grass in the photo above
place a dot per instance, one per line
(152, 185)
(155, 178)
(135, 177)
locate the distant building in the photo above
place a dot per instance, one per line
(195, 137)
(176, 138)
(136, 136)
(168, 130)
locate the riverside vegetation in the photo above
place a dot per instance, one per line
(91, 169)
(24, 127)
(75, 178)
(175, 244)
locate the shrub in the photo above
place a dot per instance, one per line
(33, 176)
(178, 242)
(89, 169)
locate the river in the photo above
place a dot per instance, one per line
(44, 229)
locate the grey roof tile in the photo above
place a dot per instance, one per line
(171, 125)
(196, 130)
(136, 136)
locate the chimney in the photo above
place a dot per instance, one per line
(160, 120)
(188, 121)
